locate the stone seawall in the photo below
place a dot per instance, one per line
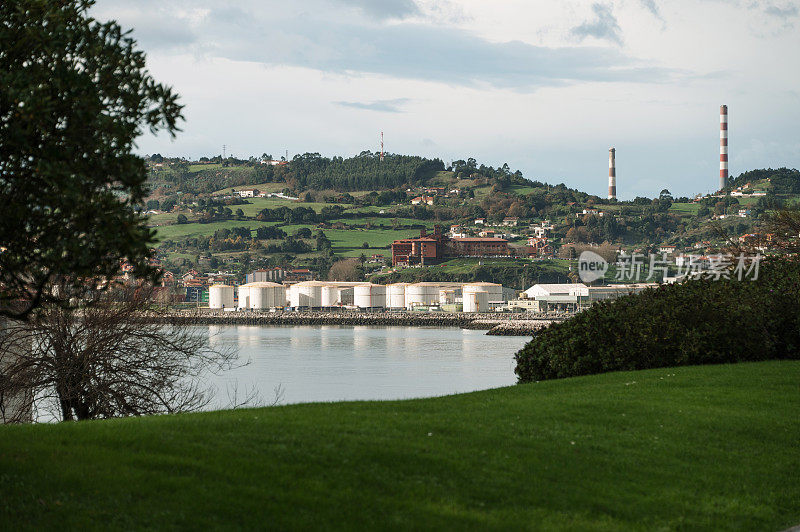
(511, 325)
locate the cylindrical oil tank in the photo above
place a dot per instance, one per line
(422, 294)
(306, 294)
(220, 296)
(266, 295)
(244, 296)
(396, 295)
(476, 298)
(330, 296)
(369, 296)
(494, 290)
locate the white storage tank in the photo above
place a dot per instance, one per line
(220, 296)
(263, 295)
(330, 296)
(306, 294)
(369, 296)
(396, 295)
(422, 295)
(244, 296)
(475, 298)
(494, 290)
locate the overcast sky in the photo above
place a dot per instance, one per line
(545, 86)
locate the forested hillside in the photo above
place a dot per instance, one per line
(781, 180)
(363, 172)
(312, 171)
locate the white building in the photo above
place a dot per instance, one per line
(570, 290)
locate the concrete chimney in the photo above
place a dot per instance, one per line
(723, 146)
(612, 175)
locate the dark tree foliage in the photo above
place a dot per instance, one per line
(270, 232)
(696, 322)
(74, 94)
(364, 172)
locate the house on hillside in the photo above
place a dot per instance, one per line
(248, 193)
(419, 200)
(668, 249)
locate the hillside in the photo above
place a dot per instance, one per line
(777, 181)
(708, 448)
(362, 204)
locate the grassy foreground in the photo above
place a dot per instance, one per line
(712, 447)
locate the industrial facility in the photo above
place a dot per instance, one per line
(572, 296)
(453, 297)
(440, 296)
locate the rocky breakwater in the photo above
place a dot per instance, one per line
(500, 324)
(513, 327)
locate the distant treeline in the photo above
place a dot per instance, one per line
(312, 171)
(512, 276)
(366, 171)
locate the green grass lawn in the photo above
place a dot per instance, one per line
(348, 242)
(172, 232)
(523, 190)
(201, 167)
(711, 448)
(685, 208)
(262, 187)
(165, 218)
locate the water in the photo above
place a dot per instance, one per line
(334, 363)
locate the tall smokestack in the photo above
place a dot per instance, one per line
(612, 175)
(723, 147)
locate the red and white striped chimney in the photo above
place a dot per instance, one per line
(612, 175)
(723, 147)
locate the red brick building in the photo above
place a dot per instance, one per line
(433, 249)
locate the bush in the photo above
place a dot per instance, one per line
(696, 322)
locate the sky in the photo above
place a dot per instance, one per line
(547, 87)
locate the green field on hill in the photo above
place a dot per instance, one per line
(700, 448)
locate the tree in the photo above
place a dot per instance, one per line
(75, 95)
(303, 232)
(346, 270)
(109, 359)
(182, 219)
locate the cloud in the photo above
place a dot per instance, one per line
(651, 6)
(384, 9)
(315, 35)
(384, 106)
(604, 27)
(786, 11)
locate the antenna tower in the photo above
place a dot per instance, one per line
(381, 145)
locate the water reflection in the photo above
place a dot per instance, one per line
(332, 363)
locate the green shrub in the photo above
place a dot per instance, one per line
(696, 322)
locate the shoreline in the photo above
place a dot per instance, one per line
(495, 325)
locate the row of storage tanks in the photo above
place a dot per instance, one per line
(475, 297)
